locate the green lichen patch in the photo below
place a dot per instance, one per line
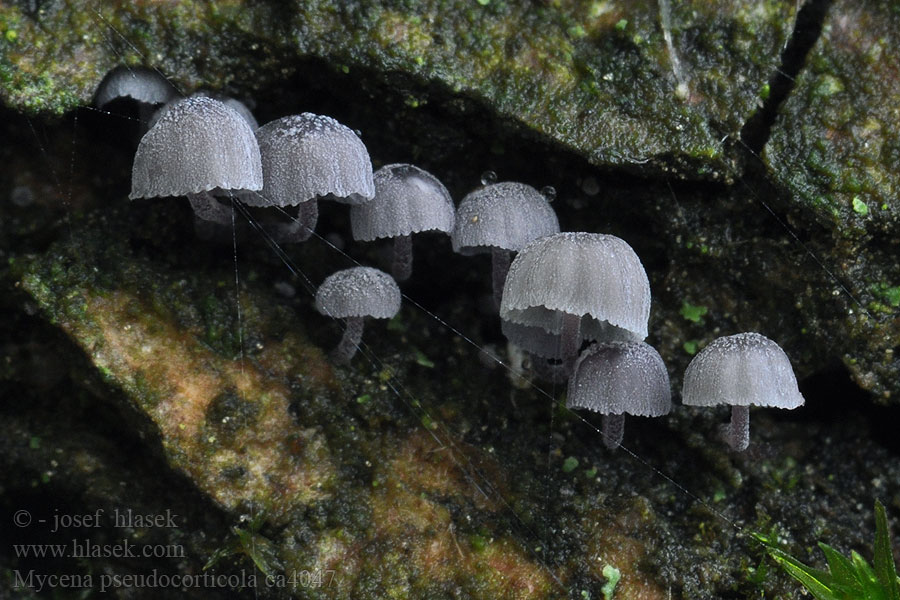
(836, 145)
(222, 420)
(596, 77)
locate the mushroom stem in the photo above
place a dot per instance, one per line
(548, 371)
(145, 113)
(738, 435)
(500, 260)
(300, 227)
(403, 258)
(570, 341)
(613, 430)
(346, 348)
(209, 209)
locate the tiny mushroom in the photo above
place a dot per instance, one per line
(619, 378)
(352, 295)
(306, 157)
(569, 287)
(407, 200)
(740, 370)
(197, 148)
(502, 218)
(145, 86)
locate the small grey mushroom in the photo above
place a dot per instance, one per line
(329, 160)
(502, 218)
(306, 157)
(741, 370)
(352, 295)
(407, 200)
(619, 378)
(145, 86)
(199, 146)
(574, 287)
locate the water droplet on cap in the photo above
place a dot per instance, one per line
(590, 186)
(549, 193)
(488, 178)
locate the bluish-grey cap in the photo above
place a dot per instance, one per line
(138, 83)
(198, 145)
(506, 215)
(592, 275)
(407, 200)
(620, 378)
(358, 292)
(309, 156)
(741, 370)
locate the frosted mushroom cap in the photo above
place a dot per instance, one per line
(358, 292)
(139, 83)
(198, 145)
(506, 215)
(308, 156)
(407, 200)
(620, 378)
(592, 275)
(240, 108)
(740, 370)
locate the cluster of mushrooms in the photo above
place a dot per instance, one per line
(562, 291)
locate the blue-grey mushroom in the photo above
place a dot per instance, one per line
(502, 218)
(145, 86)
(741, 370)
(197, 148)
(568, 287)
(306, 157)
(619, 378)
(407, 200)
(352, 295)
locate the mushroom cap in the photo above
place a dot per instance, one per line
(740, 370)
(358, 292)
(240, 108)
(592, 275)
(308, 156)
(232, 103)
(506, 215)
(407, 200)
(617, 378)
(198, 145)
(139, 83)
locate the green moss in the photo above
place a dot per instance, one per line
(891, 294)
(693, 312)
(545, 69)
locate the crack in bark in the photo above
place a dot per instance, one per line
(807, 30)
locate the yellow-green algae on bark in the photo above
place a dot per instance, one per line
(222, 421)
(166, 338)
(835, 147)
(645, 85)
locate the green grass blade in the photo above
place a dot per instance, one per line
(885, 569)
(840, 566)
(819, 583)
(869, 585)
